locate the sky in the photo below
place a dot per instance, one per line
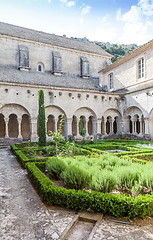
(114, 21)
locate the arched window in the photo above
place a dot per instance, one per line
(140, 68)
(40, 67)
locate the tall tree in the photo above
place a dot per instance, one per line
(41, 120)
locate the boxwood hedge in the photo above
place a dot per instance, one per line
(110, 204)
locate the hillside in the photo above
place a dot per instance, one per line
(117, 50)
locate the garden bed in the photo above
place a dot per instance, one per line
(114, 186)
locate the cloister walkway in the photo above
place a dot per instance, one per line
(23, 216)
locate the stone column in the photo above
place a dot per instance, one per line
(77, 133)
(123, 126)
(19, 127)
(69, 126)
(6, 127)
(55, 126)
(111, 127)
(94, 127)
(104, 127)
(33, 129)
(86, 124)
(141, 128)
(146, 127)
(133, 126)
(99, 120)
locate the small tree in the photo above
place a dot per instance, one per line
(57, 136)
(41, 120)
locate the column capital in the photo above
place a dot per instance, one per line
(6, 119)
(69, 119)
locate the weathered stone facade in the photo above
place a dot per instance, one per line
(133, 78)
(68, 72)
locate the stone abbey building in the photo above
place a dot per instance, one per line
(79, 81)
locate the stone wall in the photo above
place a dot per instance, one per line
(125, 74)
(42, 53)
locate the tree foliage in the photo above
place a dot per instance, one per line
(41, 120)
(117, 50)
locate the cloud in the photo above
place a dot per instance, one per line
(70, 4)
(137, 23)
(81, 21)
(85, 10)
(146, 7)
(49, 1)
(64, 1)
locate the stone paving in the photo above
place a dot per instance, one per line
(23, 216)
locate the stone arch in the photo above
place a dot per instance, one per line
(89, 117)
(40, 67)
(25, 127)
(90, 125)
(13, 108)
(53, 116)
(115, 125)
(133, 120)
(74, 125)
(2, 126)
(108, 127)
(17, 121)
(112, 118)
(58, 124)
(13, 126)
(50, 124)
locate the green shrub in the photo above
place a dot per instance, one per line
(75, 177)
(110, 204)
(147, 176)
(55, 167)
(41, 120)
(50, 151)
(128, 176)
(104, 182)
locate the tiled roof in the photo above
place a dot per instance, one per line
(129, 56)
(12, 75)
(29, 34)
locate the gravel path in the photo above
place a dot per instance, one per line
(24, 217)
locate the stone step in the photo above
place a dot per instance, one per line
(81, 227)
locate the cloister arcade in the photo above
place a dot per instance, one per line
(16, 122)
(135, 122)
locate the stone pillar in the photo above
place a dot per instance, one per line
(19, 127)
(77, 132)
(94, 127)
(69, 126)
(6, 127)
(55, 126)
(111, 127)
(33, 129)
(123, 126)
(104, 127)
(87, 127)
(99, 120)
(146, 127)
(133, 126)
(141, 128)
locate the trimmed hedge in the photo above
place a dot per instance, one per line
(143, 156)
(115, 205)
(23, 160)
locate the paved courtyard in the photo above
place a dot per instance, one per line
(24, 217)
